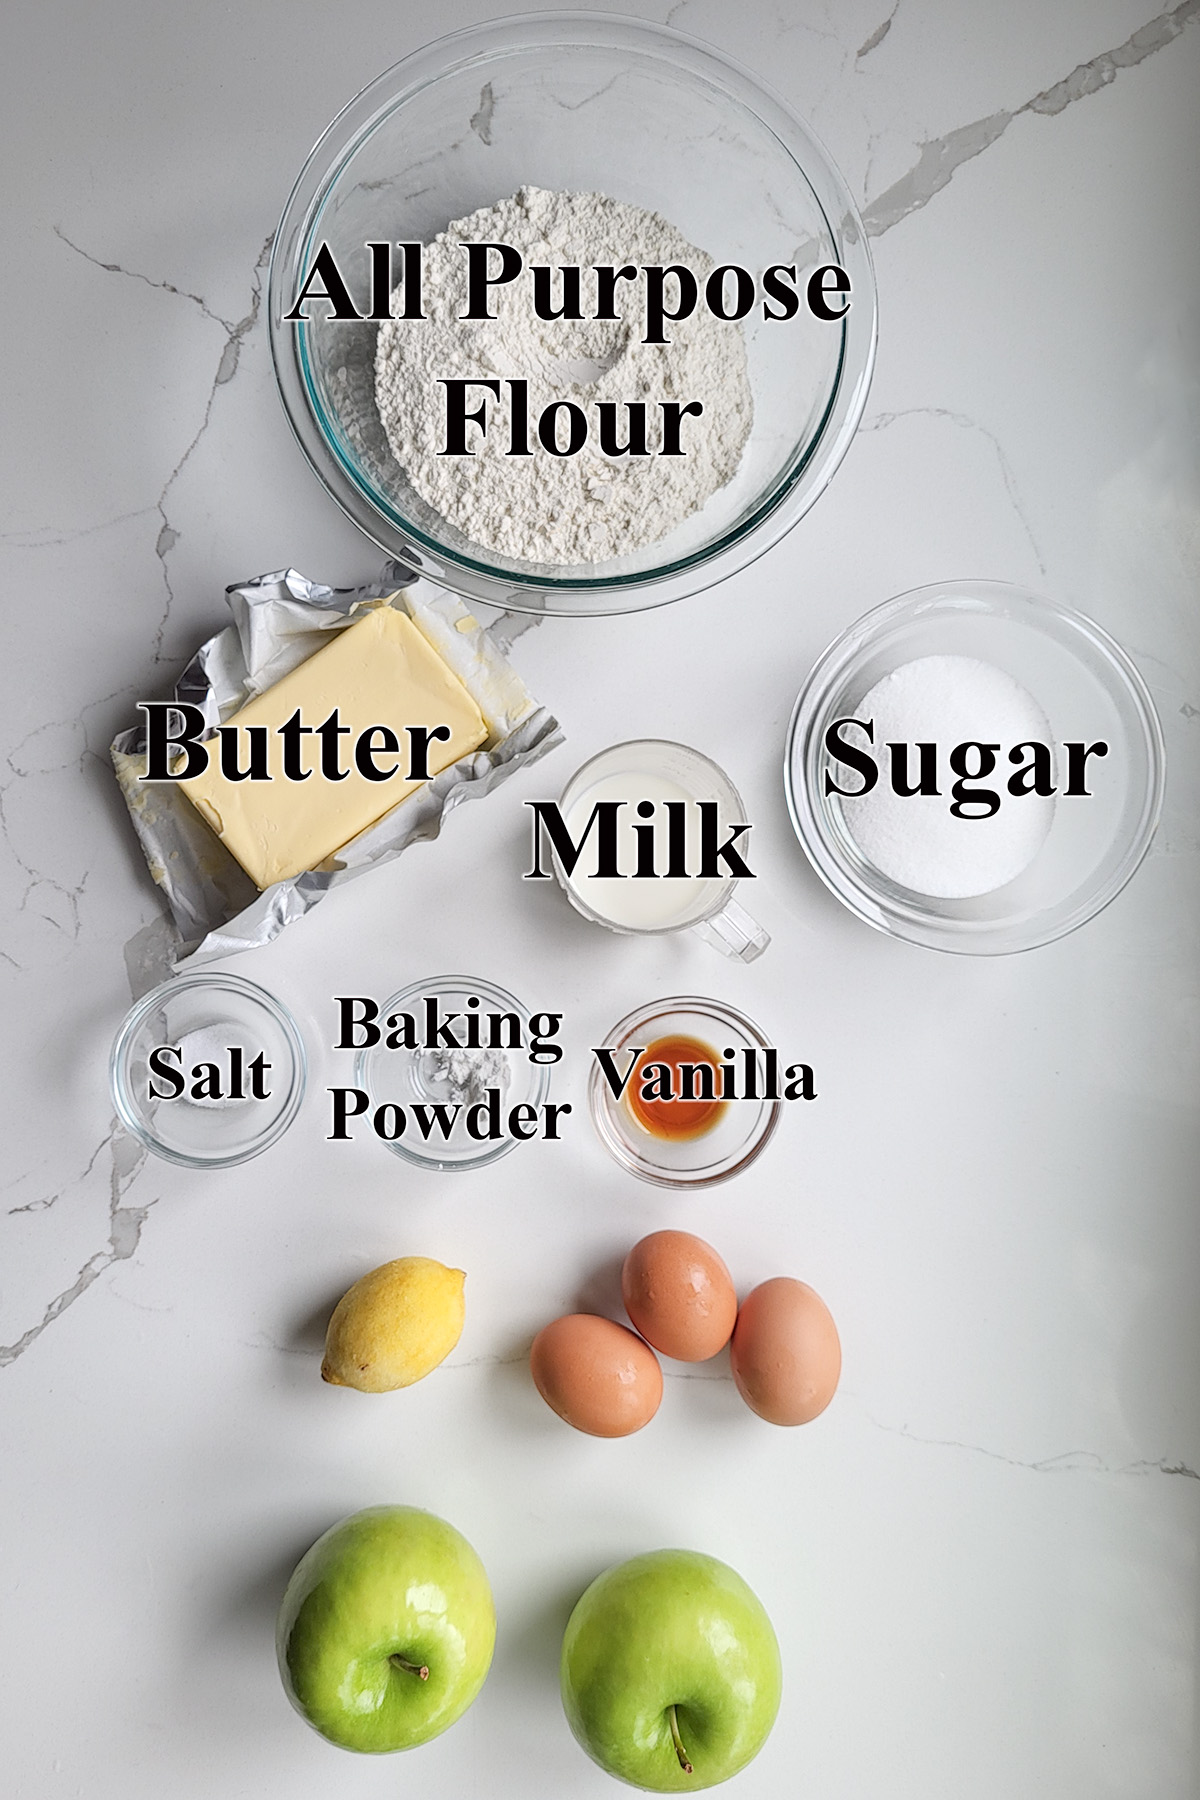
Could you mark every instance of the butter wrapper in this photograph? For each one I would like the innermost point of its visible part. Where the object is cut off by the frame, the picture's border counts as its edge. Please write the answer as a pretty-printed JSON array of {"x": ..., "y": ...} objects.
[{"x": 280, "y": 620}]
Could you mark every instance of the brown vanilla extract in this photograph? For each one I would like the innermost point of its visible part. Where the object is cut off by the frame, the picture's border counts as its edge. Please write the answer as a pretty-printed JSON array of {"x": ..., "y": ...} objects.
[{"x": 675, "y": 1092}]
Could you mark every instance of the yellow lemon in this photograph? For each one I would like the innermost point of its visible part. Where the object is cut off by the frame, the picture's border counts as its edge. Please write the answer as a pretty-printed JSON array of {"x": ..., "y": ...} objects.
[{"x": 394, "y": 1325}]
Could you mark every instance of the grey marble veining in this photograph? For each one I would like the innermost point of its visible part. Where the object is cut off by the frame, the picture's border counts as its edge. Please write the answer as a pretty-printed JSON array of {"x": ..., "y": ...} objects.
[{"x": 942, "y": 156}]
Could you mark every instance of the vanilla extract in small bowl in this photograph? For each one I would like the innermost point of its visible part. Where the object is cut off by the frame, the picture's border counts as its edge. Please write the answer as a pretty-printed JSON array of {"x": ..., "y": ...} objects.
[
  {"x": 674, "y": 1092},
  {"x": 686, "y": 1092}
]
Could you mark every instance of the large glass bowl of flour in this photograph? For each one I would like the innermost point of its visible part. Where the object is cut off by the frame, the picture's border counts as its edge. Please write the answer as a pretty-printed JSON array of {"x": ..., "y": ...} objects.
[{"x": 578, "y": 103}]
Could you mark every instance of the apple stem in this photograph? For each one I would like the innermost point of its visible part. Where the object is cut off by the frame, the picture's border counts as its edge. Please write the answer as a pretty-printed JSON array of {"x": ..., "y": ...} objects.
[
  {"x": 420, "y": 1670},
  {"x": 680, "y": 1752}
]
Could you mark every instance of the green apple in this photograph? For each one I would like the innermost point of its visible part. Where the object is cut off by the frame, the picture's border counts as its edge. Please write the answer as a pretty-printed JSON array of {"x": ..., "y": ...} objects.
[
  {"x": 386, "y": 1630},
  {"x": 670, "y": 1671}
]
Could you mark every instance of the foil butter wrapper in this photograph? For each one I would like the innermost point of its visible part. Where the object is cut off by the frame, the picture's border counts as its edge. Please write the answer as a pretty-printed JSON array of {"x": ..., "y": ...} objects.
[{"x": 280, "y": 620}]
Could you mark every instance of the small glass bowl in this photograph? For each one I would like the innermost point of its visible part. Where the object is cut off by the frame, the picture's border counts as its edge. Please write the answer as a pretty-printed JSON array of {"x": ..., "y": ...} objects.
[
  {"x": 220, "y": 1014},
  {"x": 588, "y": 103},
  {"x": 741, "y": 1128},
  {"x": 402, "y": 1078},
  {"x": 1086, "y": 687}
]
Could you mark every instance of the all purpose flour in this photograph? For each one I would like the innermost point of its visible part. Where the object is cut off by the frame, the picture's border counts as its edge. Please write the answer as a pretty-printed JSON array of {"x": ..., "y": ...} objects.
[{"x": 563, "y": 509}]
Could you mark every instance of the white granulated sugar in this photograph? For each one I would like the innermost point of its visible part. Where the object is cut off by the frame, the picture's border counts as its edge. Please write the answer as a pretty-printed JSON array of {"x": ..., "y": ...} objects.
[
  {"x": 563, "y": 509},
  {"x": 917, "y": 841}
]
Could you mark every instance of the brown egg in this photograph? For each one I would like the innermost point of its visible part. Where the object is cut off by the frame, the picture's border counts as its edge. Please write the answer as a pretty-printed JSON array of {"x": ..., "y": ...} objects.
[
  {"x": 679, "y": 1294},
  {"x": 785, "y": 1353},
  {"x": 596, "y": 1374}
]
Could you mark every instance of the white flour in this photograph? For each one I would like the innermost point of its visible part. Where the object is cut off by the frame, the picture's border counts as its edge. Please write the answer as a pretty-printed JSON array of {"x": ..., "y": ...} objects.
[{"x": 563, "y": 509}]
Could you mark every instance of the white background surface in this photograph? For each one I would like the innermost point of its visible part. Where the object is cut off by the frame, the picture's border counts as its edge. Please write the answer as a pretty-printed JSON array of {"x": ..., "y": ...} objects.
[{"x": 981, "y": 1561}]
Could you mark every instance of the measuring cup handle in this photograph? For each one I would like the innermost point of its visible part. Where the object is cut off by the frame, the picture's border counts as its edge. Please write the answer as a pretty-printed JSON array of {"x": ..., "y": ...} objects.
[{"x": 734, "y": 933}]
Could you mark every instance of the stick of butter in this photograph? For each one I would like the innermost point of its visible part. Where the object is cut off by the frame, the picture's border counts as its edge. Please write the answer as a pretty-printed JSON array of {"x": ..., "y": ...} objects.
[{"x": 380, "y": 671}]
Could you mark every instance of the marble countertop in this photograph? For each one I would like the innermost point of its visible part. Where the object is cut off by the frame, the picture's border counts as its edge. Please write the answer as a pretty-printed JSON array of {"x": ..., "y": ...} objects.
[{"x": 982, "y": 1561}]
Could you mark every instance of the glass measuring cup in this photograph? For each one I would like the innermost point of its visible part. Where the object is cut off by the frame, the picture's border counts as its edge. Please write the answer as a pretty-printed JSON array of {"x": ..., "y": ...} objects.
[{"x": 661, "y": 789}]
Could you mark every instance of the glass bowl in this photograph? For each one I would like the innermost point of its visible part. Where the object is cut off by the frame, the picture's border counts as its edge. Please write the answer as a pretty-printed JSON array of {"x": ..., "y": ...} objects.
[
  {"x": 220, "y": 1022},
  {"x": 1085, "y": 686},
  {"x": 401, "y": 1079},
  {"x": 589, "y": 103},
  {"x": 676, "y": 774},
  {"x": 741, "y": 1127}
]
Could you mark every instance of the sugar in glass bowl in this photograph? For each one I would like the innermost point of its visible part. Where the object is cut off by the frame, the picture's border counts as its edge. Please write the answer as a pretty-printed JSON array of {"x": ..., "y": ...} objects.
[
  {"x": 589, "y": 103},
  {"x": 1085, "y": 686}
]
